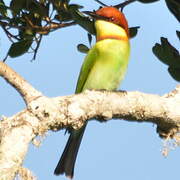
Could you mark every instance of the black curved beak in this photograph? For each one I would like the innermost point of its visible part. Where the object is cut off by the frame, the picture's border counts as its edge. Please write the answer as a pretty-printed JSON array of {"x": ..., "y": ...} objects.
[{"x": 95, "y": 16}]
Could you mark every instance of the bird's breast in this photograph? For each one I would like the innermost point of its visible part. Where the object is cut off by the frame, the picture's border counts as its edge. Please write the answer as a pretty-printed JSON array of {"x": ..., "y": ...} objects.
[{"x": 110, "y": 65}]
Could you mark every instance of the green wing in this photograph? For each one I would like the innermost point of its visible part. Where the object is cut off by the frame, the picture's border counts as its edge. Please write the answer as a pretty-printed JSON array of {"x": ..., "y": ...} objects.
[{"x": 86, "y": 68}]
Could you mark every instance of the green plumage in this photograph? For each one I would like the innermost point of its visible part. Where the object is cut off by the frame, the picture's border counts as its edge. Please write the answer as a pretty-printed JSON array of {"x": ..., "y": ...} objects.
[{"x": 104, "y": 67}]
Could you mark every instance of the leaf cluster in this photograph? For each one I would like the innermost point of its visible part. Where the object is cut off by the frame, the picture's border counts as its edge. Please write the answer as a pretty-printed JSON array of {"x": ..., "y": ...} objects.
[
  {"x": 169, "y": 55},
  {"x": 32, "y": 19},
  {"x": 25, "y": 22}
]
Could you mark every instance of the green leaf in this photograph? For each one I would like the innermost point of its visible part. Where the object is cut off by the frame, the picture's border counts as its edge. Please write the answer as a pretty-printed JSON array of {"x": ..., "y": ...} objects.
[
  {"x": 133, "y": 31},
  {"x": 89, "y": 39},
  {"x": 178, "y": 34},
  {"x": 82, "y": 48},
  {"x": 81, "y": 19},
  {"x": 17, "y": 5},
  {"x": 174, "y": 7},
  {"x": 63, "y": 16},
  {"x": 147, "y": 1},
  {"x": 175, "y": 73},
  {"x": 30, "y": 5},
  {"x": 59, "y": 4},
  {"x": 3, "y": 8},
  {"x": 26, "y": 34},
  {"x": 37, "y": 8},
  {"x": 19, "y": 48},
  {"x": 166, "y": 53}
]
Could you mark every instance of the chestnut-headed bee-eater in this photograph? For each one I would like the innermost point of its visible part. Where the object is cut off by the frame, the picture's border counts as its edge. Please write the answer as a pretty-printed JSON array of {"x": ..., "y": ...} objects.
[{"x": 104, "y": 68}]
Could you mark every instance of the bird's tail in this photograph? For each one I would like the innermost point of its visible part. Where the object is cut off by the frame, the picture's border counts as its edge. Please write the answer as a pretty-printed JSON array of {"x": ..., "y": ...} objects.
[{"x": 68, "y": 158}]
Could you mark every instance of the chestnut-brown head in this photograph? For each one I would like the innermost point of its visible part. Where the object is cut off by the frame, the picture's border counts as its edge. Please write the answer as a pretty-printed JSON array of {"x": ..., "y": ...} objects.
[{"x": 113, "y": 15}]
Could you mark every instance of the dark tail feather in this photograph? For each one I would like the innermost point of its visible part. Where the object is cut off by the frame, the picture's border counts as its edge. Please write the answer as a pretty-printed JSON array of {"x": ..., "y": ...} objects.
[{"x": 68, "y": 158}]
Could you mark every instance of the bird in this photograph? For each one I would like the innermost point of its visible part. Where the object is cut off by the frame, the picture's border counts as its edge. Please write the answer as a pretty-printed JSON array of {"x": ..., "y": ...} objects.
[{"x": 104, "y": 68}]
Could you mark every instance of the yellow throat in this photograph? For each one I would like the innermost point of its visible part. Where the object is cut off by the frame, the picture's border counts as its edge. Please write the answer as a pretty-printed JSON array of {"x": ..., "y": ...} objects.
[{"x": 108, "y": 30}]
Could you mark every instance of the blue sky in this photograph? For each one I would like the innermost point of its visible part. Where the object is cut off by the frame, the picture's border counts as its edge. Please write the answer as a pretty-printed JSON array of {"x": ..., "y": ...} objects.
[{"x": 116, "y": 149}]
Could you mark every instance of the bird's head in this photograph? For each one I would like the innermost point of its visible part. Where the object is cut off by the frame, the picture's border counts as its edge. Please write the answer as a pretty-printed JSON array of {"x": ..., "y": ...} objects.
[{"x": 112, "y": 15}]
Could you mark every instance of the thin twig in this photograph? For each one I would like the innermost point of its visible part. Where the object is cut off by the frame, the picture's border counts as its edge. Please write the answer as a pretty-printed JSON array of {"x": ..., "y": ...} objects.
[
  {"x": 46, "y": 29},
  {"x": 37, "y": 47},
  {"x": 9, "y": 35},
  {"x": 98, "y": 1},
  {"x": 125, "y": 3}
]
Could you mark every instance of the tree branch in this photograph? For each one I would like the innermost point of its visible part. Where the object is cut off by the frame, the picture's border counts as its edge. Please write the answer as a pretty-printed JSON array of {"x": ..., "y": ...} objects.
[
  {"x": 14, "y": 142},
  {"x": 23, "y": 87},
  {"x": 52, "y": 26},
  {"x": 43, "y": 114}
]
